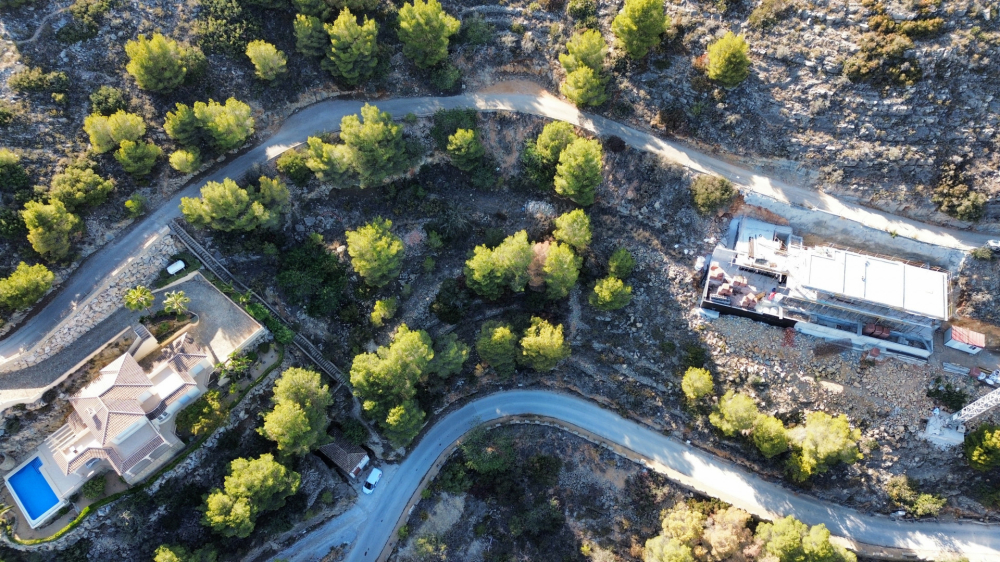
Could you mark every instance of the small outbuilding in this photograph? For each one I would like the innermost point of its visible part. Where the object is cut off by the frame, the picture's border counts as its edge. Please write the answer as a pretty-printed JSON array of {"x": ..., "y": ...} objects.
[
  {"x": 964, "y": 339},
  {"x": 347, "y": 456}
]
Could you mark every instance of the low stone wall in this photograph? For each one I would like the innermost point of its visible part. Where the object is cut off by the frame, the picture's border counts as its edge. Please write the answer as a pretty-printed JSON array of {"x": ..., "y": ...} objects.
[{"x": 100, "y": 304}]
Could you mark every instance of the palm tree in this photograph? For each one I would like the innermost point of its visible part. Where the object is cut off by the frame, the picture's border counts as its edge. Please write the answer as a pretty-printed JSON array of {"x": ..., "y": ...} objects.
[
  {"x": 176, "y": 302},
  {"x": 139, "y": 298}
]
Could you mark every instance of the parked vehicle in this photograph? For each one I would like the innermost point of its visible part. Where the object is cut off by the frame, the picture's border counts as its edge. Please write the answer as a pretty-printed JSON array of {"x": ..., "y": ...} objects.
[
  {"x": 373, "y": 477},
  {"x": 993, "y": 245}
]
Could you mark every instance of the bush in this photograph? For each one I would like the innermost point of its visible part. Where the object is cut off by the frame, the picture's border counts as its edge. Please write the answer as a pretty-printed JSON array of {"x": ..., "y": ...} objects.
[
  {"x": 543, "y": 346},
  {"x": 823, "y": 441},
  {"x": 735, "y": 413},
  {"x": 311, "y": 275},
  {"x": 138, "y": 158},
  {"x": 451, "y": 302},
  {"x": 904, "y": 494},
  {"x": 49, "y": 228},
  {"x": 94, "y": 488},
  {"x": 13, "y": 176},
  {"x": 711, "y": 193},
  {"x": 383, "y": 310},
  {"x": 8, "y": 112},
  {"x": 159, "y": 64},
  {"x": 584, "y": 12},
  {"x": 87, "y": 17},
  {"x": 697, "y": 383},
  {"x": 465, "y": 149},
  {"x": 80, "y": 187},
  {"x": 36, "y": 80},
  {"x": 497, "y": 346},
  {"x": 953, "y": 398},
  {"x": 982, "y": 253},
  {"x": 560, "y": 269},
  {"x": 611, "y": 293},
  {"x": 954, "y": 197},
  {"x": 490, "y": 271},
  {"x": 293, "y": 164},
  {"x": 136, "y": 205},
  {"x": 310, "y": 37},
  {"x": 883, "y": 58},
  {"x": 268, "y": 61},
  {"x": 224, "y": 26},
  {"x": 377, "y": 149},
  {"x": 584, "y": 87},
  {"x": 447, "y": 122},
  {"x": 768, "y": 13},
  {"x": 621, "y": 264},
  {"x": 450, "y": 355},
  {"x": 982, "y": 447},
  {"x": 228, "y": 207},
  {"x": 769, "y": 436},
  {"x": 186, "y": 160},
  {"x": 354, "y": 431},
  {"x": 728, "y": 60},
  {"x": 475, "y": 31},
  {"x": 107, "y": 101}
]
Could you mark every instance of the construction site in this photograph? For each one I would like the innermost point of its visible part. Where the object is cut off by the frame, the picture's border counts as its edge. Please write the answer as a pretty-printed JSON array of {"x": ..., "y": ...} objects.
[{"x": 878, "y": 306}]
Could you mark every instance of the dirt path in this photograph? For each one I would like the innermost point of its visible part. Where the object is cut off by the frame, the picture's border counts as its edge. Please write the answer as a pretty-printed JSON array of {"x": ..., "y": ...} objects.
[{"x": 41, "y": 27}]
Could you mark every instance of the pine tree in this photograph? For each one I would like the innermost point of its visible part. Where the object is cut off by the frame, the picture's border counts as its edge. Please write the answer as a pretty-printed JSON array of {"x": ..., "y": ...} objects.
[
  {"x": 299, "y": 420},
  {"x": 227, "y": 207},
  {"x": 639, "y": 25},
  {"x": 157, "y": 64},
  {"x": 424, "y": 29},
  {"x": 49, "y": 227},
  {"x": 735, "y": 413},
  {"x": 543, "y": 345},
  {"x": 573, "y": 228},
  {"x": 697, "y": 383},
  {"x": 227, "y": 126},
  {"x": 376, "y": 253},
  {"x": 561, "y": 270},
  {"x": 611, "y": 293},
  {"x": 329, "y": 162},
  {"x": 465, "y": 149},
  {"x": 25, "y": 286},
  {"x": 186, "y": 160},
  {"x": 376, "y": 144},
  {"x": 108, "y": 132},
  {"x": 311, "y": 38},
  {"x": 403, "y": 422},
  {"x": 353, "y": 53},
  {"x": 183, "y": 125},
  {"x": 450, "y": 354},
  {"x": 138, "y": 158},
  {"x": 268, "y": 61},
  {"x": 80, "y": 187},
  {"x": 728, "y": 60},
  {"x": 770, "y": 436},
  {"x": 251, "y": 488},
  {"x": 579, "y": 171},
  {"x": 497, "y": 346},
  {"x": 587, "y": 48},
  {"x": 584, "y": 87}
]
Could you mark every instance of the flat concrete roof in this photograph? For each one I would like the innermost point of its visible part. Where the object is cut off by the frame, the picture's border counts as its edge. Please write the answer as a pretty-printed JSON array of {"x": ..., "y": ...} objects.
[{"x": 895, "y": 284}]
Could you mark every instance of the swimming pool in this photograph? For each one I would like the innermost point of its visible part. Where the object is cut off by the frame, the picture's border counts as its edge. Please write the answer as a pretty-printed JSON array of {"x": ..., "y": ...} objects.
[{"x": 32, "y": 490}]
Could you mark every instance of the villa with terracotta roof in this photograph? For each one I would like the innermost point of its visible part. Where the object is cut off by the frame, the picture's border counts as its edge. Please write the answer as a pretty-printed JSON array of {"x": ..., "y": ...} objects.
[{"x": 124, "y": 420}]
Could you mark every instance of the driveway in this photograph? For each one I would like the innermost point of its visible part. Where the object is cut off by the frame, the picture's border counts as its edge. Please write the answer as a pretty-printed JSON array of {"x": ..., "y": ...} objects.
[
  {"x": 683, "y": 463},
  {"x": 835, "y": 215}
]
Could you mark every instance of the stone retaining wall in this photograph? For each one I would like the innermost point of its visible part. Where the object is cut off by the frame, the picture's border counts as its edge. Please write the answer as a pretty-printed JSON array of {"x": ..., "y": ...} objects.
[{"x": 101, "y": 303}]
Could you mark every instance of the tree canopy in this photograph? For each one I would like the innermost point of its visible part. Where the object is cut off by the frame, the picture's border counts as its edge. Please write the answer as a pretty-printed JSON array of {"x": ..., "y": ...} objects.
[
  {"x": 560, "y": 270},
  {"x": 982, "y": 447},
  {"x": 376, "y": 144},
  {"x": 639, "y": 25},
  {"x": 376, "y": 253},
  {"x": 299, "y": 420},
  {"x": 158, "y": 64},
  {"x": 790, "y": 540},
  {"x": 573, "y": 228},
  {"x": 311, "y": 38},
  {"x": 424, "y": 29},
  {"x": 139, "y": 298},
  {"x": 25, "y": 286},
  {"x": 586, "y": 48},
  {"x": 585, "y": 87},
  {"x": 579, "y": 171},
  {"x": 80, "y": 187},
  {"x": 267, "y": 60},
  {"x": 610, "y": 293},
  {"x": 543, "y": 346},
  {"x": 465, "y": 149},
  {"x": 489, "y": 271},
  {"x": 353, "y": 53},
  {"x": 728, "y": 60},
  {"x": 49, "y": 228},
  {"x": 823, "y": 441},
  {"x": 251, "y": 488},
  {"x": 497, "y": 346},
  {"x": 226, "y": 126},
  {"x": 228, "y": 207},
  {"x": 734, "y": 414},
  {"x": 697, "y": 383}
]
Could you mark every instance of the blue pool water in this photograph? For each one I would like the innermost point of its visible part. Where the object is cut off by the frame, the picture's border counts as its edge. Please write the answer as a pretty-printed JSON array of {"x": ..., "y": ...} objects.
[{"x": 31, "y": 488}]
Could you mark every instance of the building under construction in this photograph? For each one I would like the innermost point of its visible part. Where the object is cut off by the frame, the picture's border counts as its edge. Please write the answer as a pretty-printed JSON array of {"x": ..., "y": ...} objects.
[{"x": 864, "y": 300}]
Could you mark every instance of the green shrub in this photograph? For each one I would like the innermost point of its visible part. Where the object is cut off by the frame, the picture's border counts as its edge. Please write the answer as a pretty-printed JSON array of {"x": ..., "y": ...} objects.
[
  {"x": 451, "y": 302},
  {"x": 883, "y": 58},
  {"x": 311, "y": 275},
  {"x": 475, "y": 31},
  {"x": 768, "y": 13},
  {"x": 36, "y": 80},
  {"x": 204, "y": 416},
  {"x": 94, "y": 488},
  {"x": 611, "y": 293},
  {"x": 87, "y": 18},
  {"x": 982, "y": 447},
  {"x": 25, "y": 286},
  {"x": 621, "y": 264},
  {"x": 497, "y": 346},
  {"x": 354, "y": 431},
  {"x": 8, "y": 112},
  {"x": 697, "y": 383},
  {"x": 982, "y": 253},
  {"x": 224, "y": 26},
  {"x": 728, "y": 60},
  {"x": 954, "y": 197},
  {"x": 448, "y": 121},
  {"x": 136, "y": 205},
  {"x": 13, "y": 176},
  {"x": 107, "y": 101},
  {"x": 584, "y": 12},
  {"x": 711, "y": 193},
  {"x": 293, "y": 164},
  {"x": 953, "y": 398},
  {"x": 384, "y": 310},
  {"x": 770, "y": 436}
]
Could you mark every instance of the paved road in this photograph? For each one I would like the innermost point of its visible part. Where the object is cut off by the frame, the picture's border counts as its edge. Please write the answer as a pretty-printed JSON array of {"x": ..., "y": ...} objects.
[
  {"x": 681, "y": 462},
  {"x": 325, "y": 116}
]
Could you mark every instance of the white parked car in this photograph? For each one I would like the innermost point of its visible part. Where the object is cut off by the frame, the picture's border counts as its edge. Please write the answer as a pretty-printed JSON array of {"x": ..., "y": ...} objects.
[
  {"x": 373, "y": 477},
  {"x": 993, "y": 245}
]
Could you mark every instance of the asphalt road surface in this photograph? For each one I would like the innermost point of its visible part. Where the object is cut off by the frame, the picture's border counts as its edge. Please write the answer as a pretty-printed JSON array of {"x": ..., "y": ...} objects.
[
  {"x": 325, "y": 116},
  {"x": 681, "y": 462}
]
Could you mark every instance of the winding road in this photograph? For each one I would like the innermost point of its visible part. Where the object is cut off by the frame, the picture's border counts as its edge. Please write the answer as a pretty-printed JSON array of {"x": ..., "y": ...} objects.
[
  {"x": 683, "y": 463},
  {"x": 914, "y": 238},
  {"x": 700, "y": 470}
]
